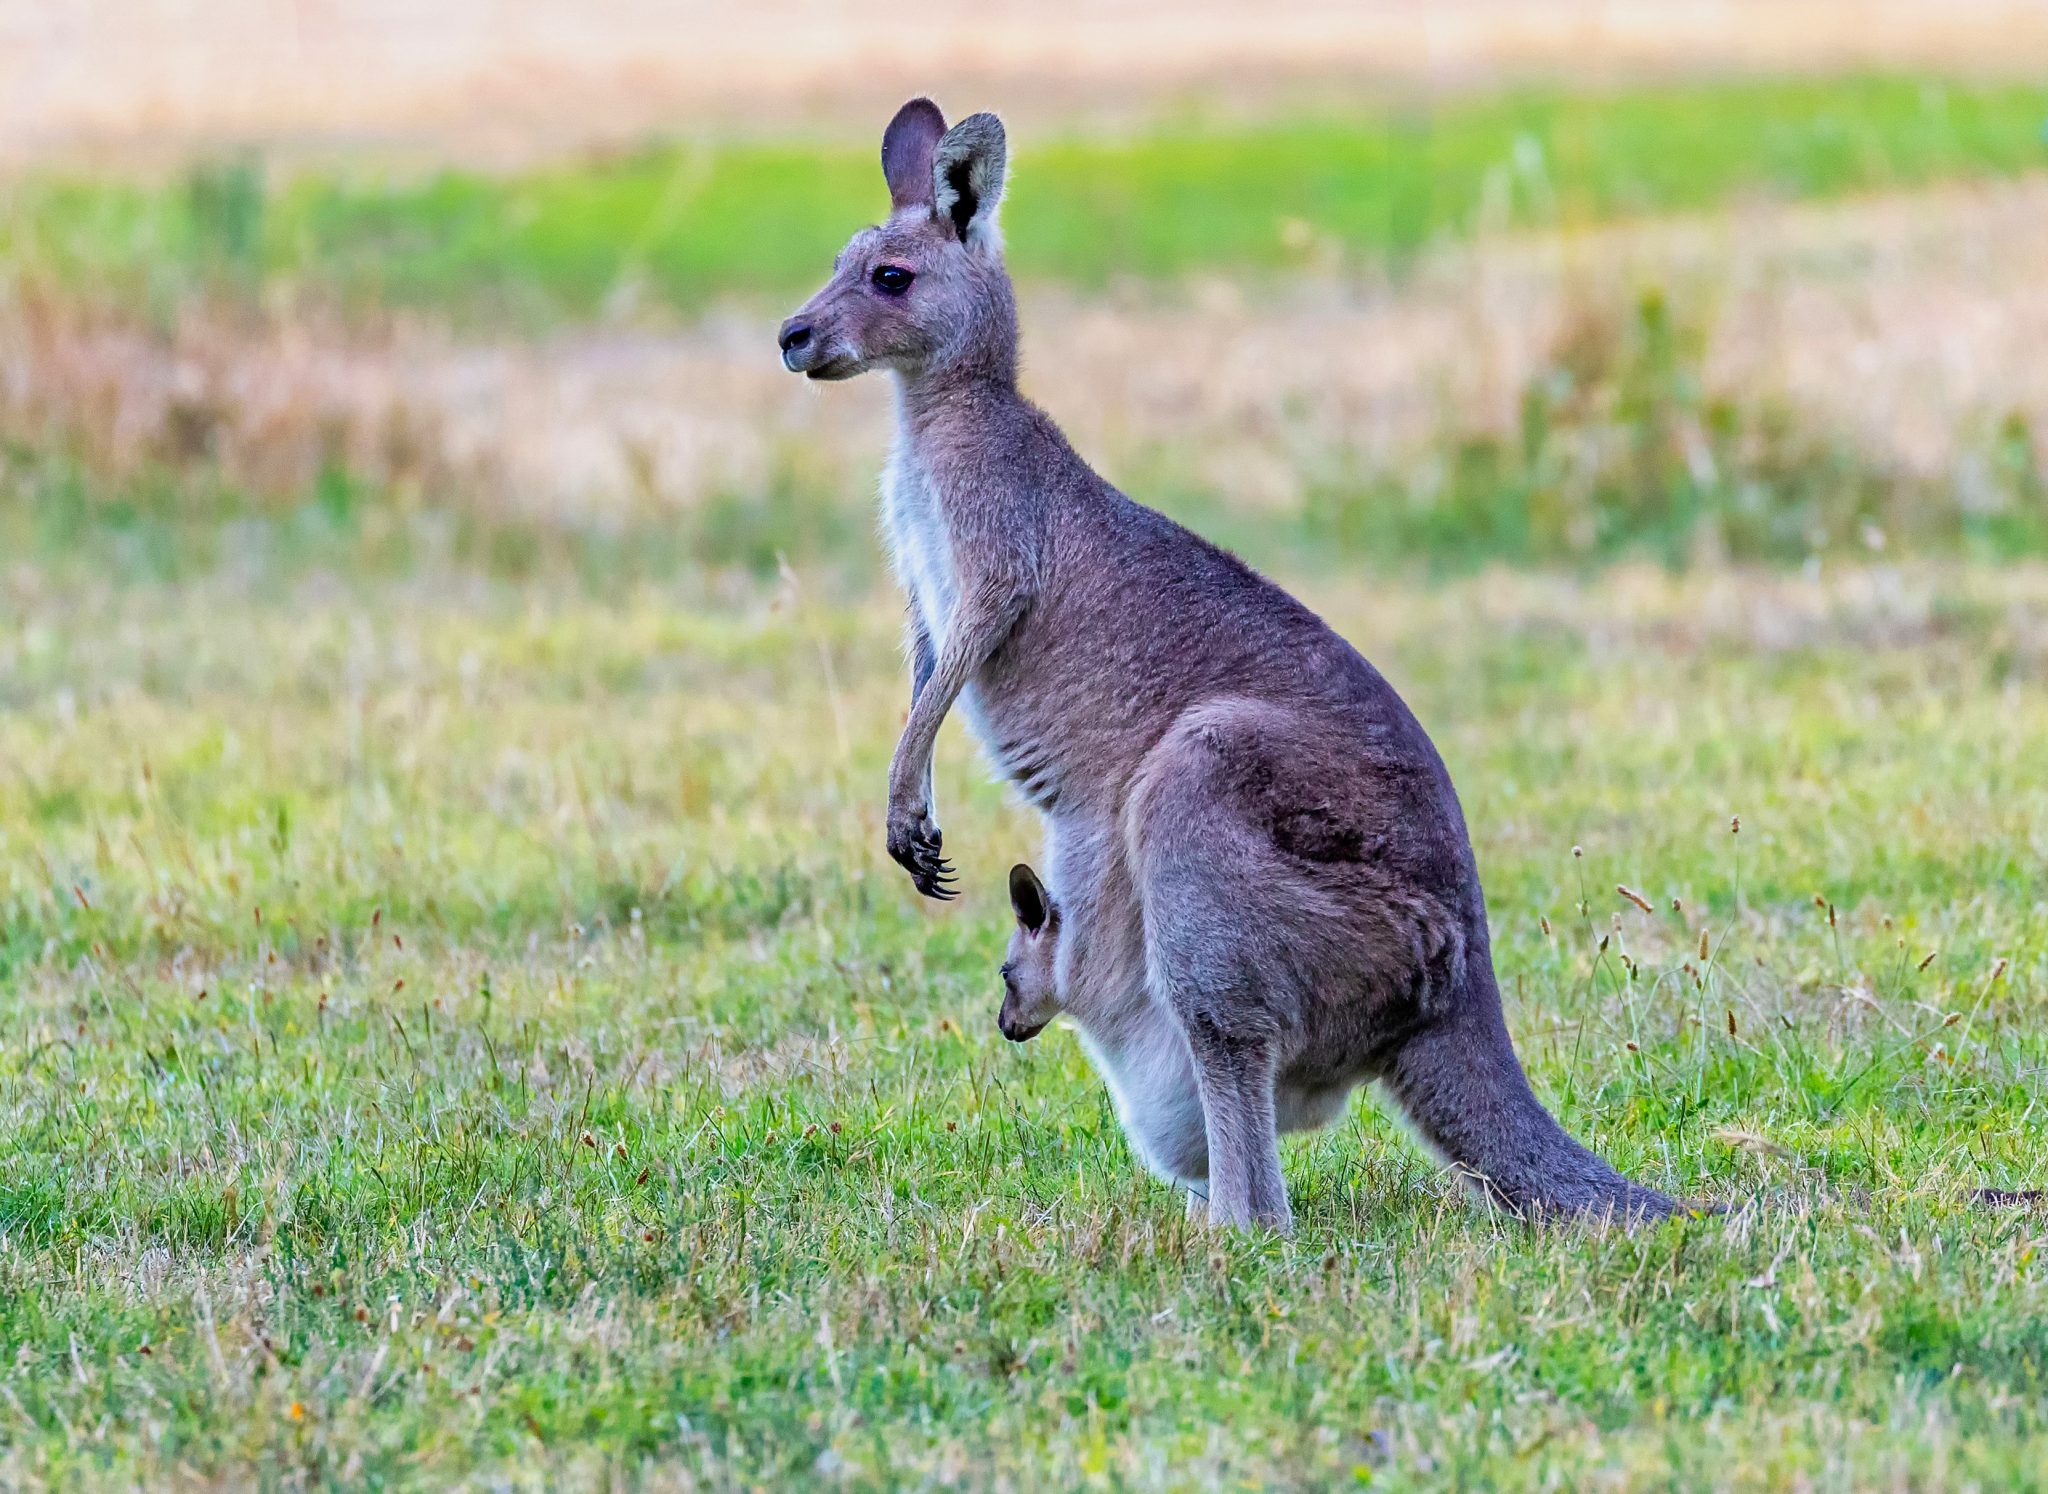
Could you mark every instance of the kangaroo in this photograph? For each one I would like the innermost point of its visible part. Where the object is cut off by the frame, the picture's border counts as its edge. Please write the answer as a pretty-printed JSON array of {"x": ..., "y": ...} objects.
[{"x": 1262, "y": 884}]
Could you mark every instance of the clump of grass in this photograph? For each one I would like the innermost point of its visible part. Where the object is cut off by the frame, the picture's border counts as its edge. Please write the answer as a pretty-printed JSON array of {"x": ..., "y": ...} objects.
[
  {"x": 1623, "y": 447},
  {"x": 272, "y": 406}
]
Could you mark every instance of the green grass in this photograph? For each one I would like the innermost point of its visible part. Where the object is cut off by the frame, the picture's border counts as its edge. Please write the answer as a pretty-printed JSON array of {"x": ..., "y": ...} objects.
[
  {"x": 460, "y": 1030},
  {"x": 682, "y": 224}
]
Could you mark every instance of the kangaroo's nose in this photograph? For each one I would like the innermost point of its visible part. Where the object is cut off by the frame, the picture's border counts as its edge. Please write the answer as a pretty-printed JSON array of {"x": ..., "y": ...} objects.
[{"x": 795, "y": 334}]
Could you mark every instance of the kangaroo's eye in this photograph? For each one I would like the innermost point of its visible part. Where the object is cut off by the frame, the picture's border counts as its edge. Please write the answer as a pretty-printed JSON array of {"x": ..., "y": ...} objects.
[{"x": 892, "y": 280}]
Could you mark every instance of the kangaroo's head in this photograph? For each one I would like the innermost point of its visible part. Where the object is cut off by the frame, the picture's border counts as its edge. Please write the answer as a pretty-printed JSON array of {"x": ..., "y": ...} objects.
[
  {"x": 926, "y": 291},
  {"x": 1030, "y": 993}
]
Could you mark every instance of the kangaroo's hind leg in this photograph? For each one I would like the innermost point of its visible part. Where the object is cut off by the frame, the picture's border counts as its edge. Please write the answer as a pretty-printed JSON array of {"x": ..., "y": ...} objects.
[
  {"x": 1217, "y": 906},
  {"x": 1195, "y": 968},
  {"x": 1245, "y": 1182}
]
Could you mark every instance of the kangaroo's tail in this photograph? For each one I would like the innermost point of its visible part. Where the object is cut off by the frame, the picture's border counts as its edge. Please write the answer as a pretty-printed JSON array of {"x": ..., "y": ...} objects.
[{"x": 1464, "y": 1089}]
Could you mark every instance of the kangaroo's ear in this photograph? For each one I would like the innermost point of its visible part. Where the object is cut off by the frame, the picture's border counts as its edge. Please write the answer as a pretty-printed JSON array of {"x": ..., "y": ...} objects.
[
  {"x": 967, "y": 176},
  {"x": 907, "y": 147},
  {"x": 1028, "y": 899}
]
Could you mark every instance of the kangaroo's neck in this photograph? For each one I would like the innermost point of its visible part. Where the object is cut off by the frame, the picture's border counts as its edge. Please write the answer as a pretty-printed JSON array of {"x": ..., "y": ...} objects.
[{"x": 933, "y": 412}]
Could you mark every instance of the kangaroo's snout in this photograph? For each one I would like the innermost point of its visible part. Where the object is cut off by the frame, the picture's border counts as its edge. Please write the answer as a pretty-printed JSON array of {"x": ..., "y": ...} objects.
[
  {"x": 815, "y": 343},
  {"x": 793, "y": 339},
  {"x": 1014, "y": 1030}
]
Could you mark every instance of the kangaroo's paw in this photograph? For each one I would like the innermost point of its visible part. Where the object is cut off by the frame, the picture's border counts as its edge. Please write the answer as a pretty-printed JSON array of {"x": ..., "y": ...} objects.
[{"x": 914, "y": 844}]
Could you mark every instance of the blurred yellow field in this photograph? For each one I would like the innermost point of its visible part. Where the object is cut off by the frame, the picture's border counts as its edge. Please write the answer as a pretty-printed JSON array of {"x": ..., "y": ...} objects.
[{"x": 507, "y": 78}]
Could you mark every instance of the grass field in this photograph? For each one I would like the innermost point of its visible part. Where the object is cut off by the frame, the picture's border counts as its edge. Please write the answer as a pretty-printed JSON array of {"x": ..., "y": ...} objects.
[
  {"x": 458, "y": 1024},
  {"x": 459, "y": 1029}
]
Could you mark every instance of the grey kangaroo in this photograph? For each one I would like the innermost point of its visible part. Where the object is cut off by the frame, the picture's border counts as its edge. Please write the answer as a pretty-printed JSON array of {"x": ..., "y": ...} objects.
[{"x": 1263, "y": 893}]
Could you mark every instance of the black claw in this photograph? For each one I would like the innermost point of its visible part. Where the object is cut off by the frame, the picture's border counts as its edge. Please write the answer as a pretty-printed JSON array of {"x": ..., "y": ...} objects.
[
  {"x": 934, "y": 877},
  {"x": 930, "y": 872}
]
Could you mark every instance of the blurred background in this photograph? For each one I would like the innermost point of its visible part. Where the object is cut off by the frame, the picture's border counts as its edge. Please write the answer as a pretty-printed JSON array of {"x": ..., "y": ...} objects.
[{"x": 350, "y": 282}]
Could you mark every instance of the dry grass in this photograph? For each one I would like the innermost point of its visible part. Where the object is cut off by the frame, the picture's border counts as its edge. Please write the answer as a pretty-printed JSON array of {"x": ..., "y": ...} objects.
[
  {"x": 1905, "y": 328},
  {"x": 148, "y": 79},
  {"x": 266, "y": 403}
]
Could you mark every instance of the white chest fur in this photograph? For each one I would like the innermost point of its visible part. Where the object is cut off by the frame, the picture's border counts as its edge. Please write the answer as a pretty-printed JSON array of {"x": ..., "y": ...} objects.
[{"x": 919, "y": 549}]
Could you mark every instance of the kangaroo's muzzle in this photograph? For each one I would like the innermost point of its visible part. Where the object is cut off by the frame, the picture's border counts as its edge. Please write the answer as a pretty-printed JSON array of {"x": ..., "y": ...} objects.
[
  {"x": 798, "y": 342},
  {"x": 808, "y": 349},
  {"x": 1016, "y": 1031}
]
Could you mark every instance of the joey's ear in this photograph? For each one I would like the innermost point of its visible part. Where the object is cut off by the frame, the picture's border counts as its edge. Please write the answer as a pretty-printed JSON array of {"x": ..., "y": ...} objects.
[
  {"x": 907, "y": 147},
  {"x": 1028, "y": 899},
  {"x": 967, "y": 176}
]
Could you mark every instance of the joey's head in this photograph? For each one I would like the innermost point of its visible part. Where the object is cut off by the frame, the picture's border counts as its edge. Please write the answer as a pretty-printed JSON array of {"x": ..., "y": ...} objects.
[
  {"x": 924, "y": 292},
  {"x": 1030, "y": 994}
]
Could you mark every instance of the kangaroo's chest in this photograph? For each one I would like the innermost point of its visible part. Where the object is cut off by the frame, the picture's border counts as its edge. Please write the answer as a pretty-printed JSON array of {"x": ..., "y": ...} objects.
[
  {"x": 1006, "y": 722},
  {"x": 920, "y": 549}
]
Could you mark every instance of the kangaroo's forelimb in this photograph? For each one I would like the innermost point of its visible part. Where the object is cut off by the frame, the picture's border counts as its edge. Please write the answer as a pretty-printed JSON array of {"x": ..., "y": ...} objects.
[
  {"x": 983, "y": 619},
  {"x": 924, "y": 658}
]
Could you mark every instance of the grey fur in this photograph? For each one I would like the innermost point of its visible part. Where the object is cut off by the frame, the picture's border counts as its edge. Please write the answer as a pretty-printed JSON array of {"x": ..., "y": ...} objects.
[{"x": 1262, "y": 889}]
